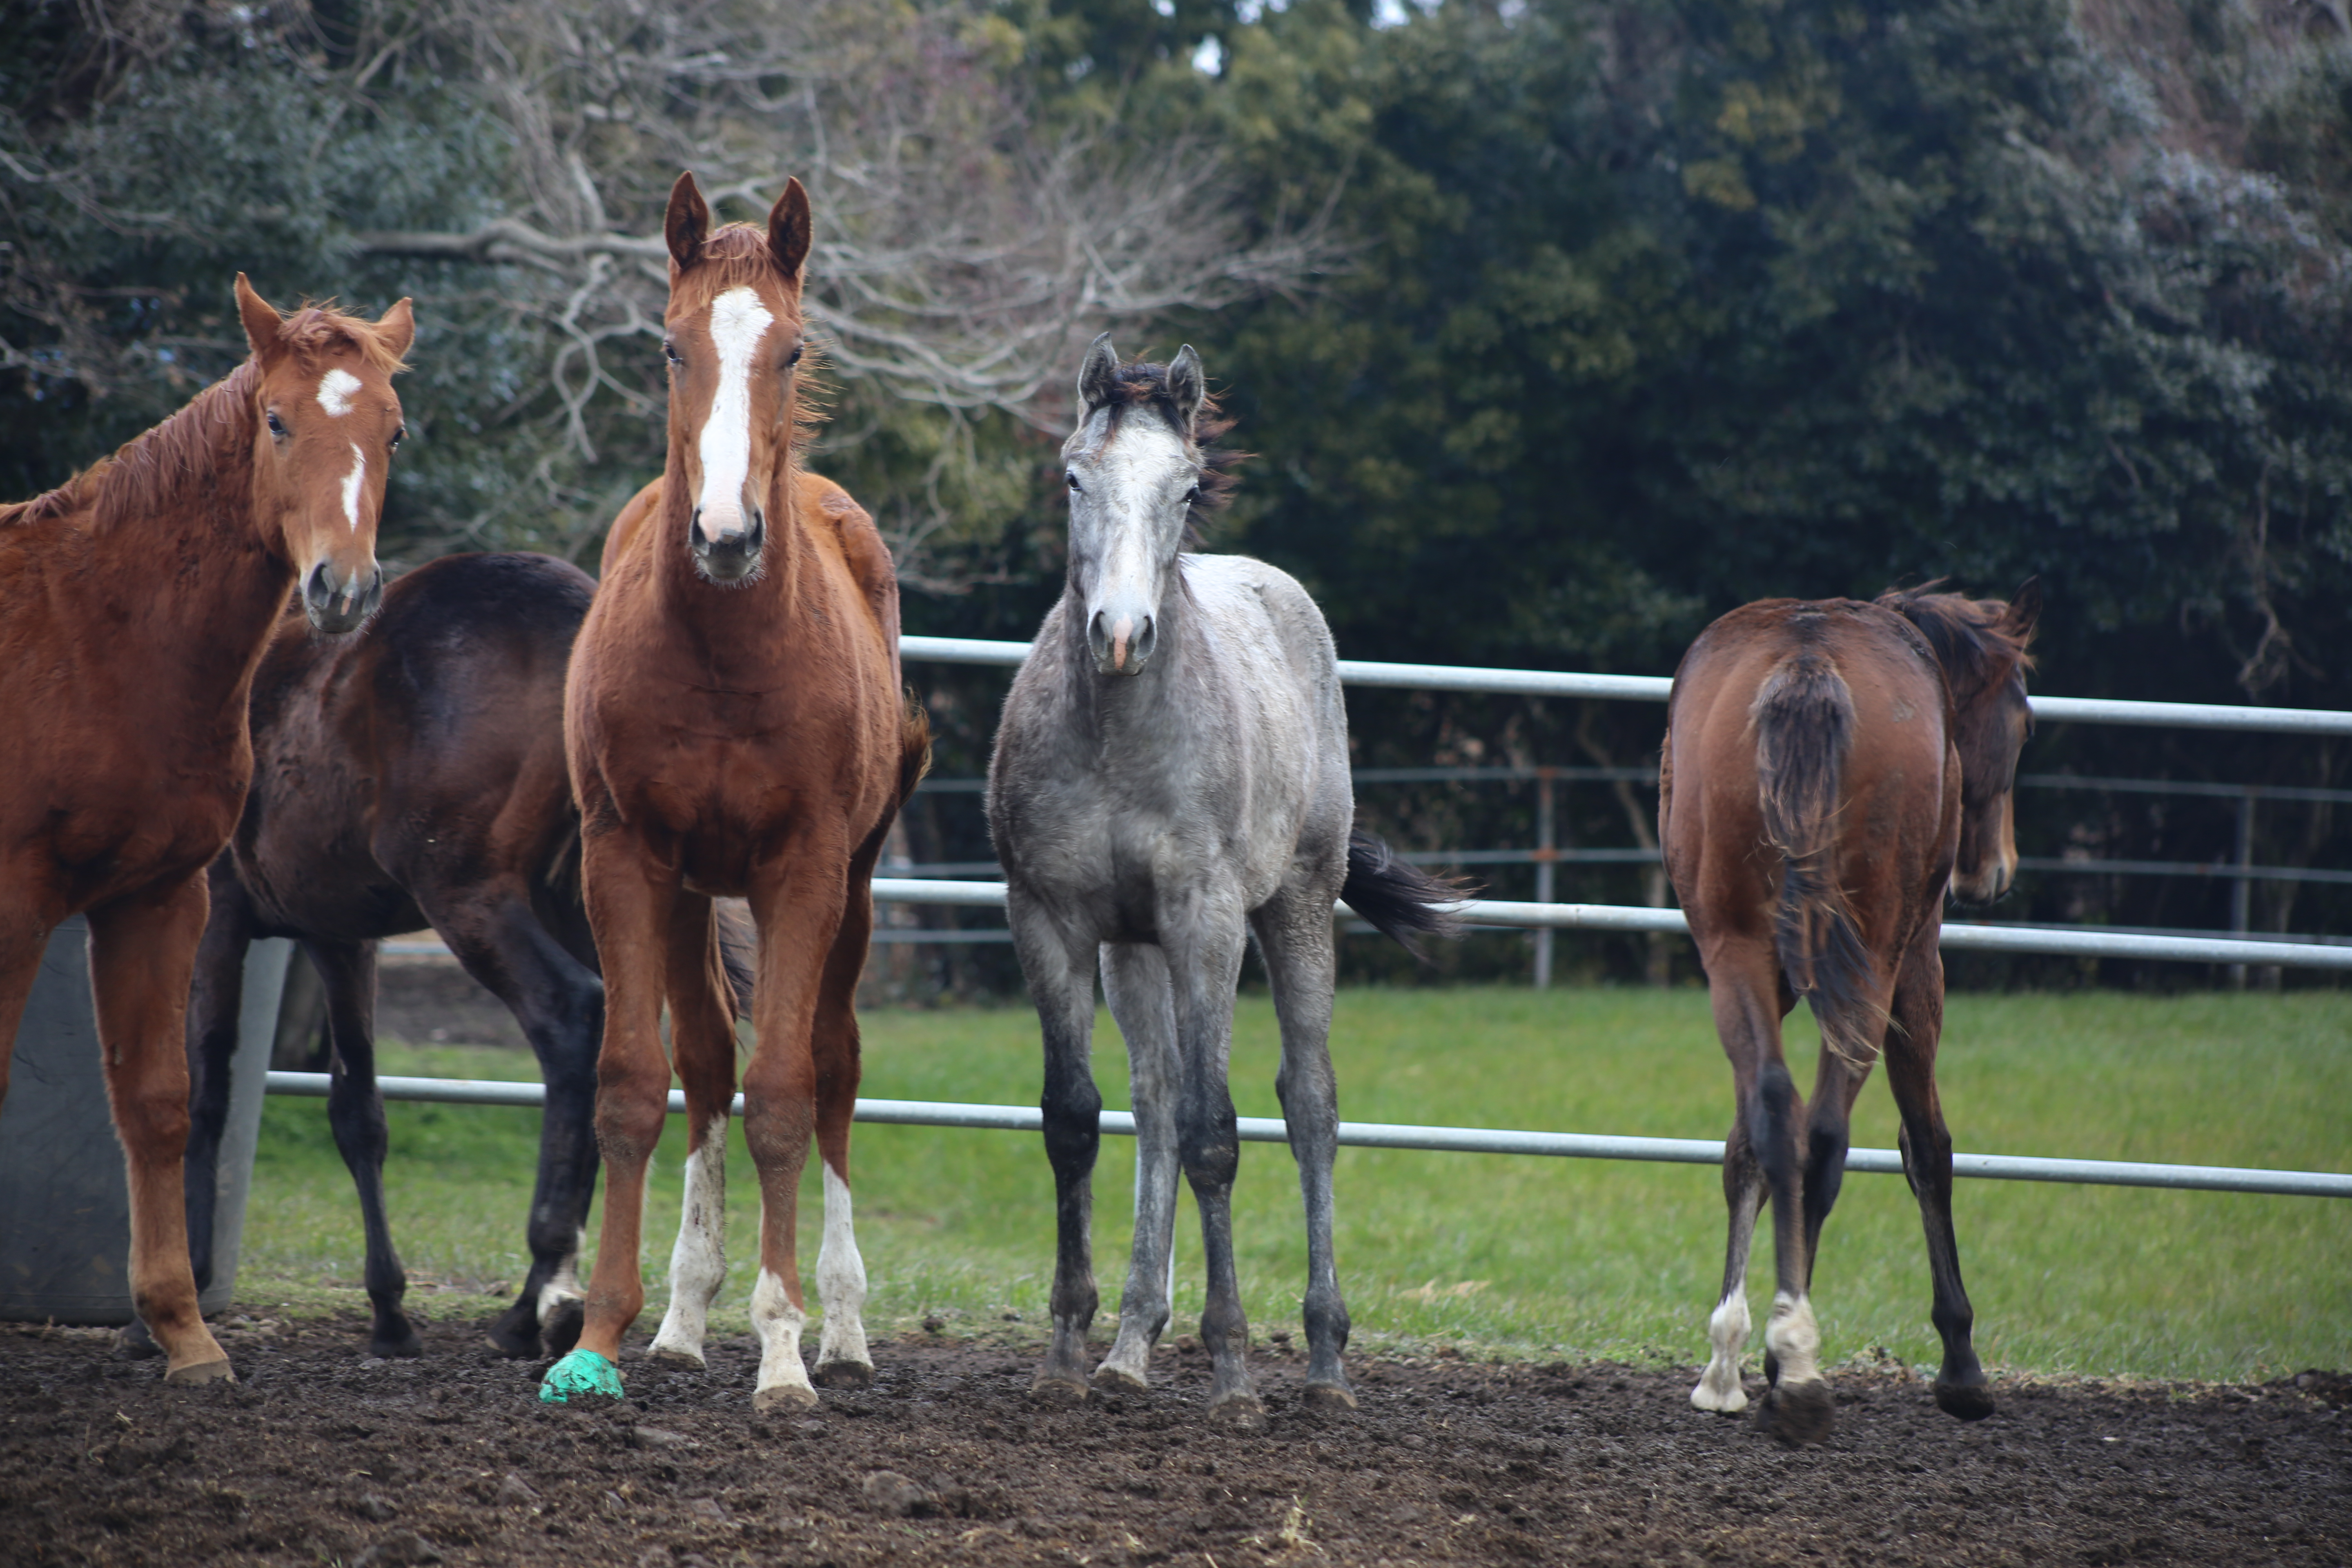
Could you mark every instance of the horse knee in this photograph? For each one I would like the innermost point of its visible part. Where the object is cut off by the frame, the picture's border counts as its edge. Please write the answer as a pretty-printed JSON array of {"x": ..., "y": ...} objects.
[
  {"x": 630, "y": 1109},
  {"x": 1072, "y": 1115},
  {"x": 1210, "y": 1154},
  {"x": 153, "y": 1119}
]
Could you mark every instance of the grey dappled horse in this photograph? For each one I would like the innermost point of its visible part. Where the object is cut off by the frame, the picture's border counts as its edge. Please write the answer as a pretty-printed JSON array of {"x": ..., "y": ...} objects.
[{"x": 1170, "y": 775}]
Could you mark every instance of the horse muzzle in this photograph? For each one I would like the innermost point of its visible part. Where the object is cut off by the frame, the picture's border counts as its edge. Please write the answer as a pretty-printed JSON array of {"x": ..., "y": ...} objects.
[
  {"x": 733, "y": 555},
  {"x": 1121, "y": 641},
  {"x": 339, "y": 607}
]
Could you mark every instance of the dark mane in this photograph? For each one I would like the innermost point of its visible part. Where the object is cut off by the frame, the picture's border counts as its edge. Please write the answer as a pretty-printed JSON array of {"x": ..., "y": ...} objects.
[
  {"x": 1966, "y": 635},
  {"x": 145, "y": 471},
  {"x": 1144, "y": 384}
]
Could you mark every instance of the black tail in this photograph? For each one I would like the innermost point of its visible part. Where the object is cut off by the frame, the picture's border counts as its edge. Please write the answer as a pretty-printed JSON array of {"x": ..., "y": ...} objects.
[
  {"x": 1804, "y": 716},
  {"x": 1404, "y": 903}
]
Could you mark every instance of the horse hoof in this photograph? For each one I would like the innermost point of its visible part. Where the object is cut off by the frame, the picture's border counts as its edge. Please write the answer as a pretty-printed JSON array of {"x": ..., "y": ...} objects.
[
  {"x": 134, "y": 1342},
  {"x": 560, "y": 1328},
  {"x": 1238, "y": 1413},
  {"x": 1058, "y": 1388},
  {"x": 1329, "y": 1396},
  {"x": 514, "y": 1334},
  {"x": 201, "y": 1371},
  {"x": 846, "y": 1375},
  {"x": 673, "y": 1356},
  {"x": 1119, "y": 1379},
  {"x": 784, "y": 1397},
  {"x": 582, "y": 1379},
  {"x": 1969, "y": 1401},
  {"x": 403, "y": 1345},
  {"x": 1796, "y": 1413}
]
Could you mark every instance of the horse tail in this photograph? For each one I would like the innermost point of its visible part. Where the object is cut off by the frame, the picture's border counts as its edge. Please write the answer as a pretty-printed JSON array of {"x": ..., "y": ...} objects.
[
  {"x": 1804, "y": 717},
  {"x": 914, "y": 748},
  {"x": 738, "y": 950},
  {"x": 1404, "y": 903}
]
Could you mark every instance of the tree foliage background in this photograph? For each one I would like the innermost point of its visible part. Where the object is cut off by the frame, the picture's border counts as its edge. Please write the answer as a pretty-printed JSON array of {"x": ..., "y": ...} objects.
[{"x": 1557, "y": 327}]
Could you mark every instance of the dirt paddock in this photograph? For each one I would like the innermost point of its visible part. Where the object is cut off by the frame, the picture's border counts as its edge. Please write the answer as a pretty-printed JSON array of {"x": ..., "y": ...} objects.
[{"x": 321, "y": 1456}]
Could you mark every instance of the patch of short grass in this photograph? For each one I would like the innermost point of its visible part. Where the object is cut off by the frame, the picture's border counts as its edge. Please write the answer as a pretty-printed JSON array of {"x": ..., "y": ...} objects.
[{"x": 1503, "y": 1253}]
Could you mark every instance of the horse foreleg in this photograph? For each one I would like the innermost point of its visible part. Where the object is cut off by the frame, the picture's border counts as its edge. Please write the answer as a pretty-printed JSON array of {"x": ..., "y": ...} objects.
[
  {"x": 1296, "y": 940},
  {"x": 1719, "y": 1388},
  {"x": 1204, "y": 958},
  {"x": 1135, "y": 979},
  {"x": 142, "y": 949},
  {"x": 798, "y": 910},
  {"x": 628, "y": 903},
  {"x": 355, "y": 1112},
  {"x": 842, "y": 1358},
  {"x": 560, "y": 1006},
  {"x": 1060, "y": 969},
  {"x": 702, "y": 1045},
  {"x": 1961, "y": 1387}
]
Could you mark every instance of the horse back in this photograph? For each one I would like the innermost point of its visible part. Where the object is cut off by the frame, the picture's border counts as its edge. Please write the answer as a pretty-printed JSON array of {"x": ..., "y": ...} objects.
[{"x": 1786, "y": 712}]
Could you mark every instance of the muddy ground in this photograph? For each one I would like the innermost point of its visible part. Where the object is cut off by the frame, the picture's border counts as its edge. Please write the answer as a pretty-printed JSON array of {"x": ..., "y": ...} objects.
[{"x": 321, "y": 1456}]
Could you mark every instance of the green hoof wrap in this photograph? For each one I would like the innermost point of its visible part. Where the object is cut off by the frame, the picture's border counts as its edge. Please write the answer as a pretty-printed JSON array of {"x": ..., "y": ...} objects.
[{"x": 582, "y": 1377}]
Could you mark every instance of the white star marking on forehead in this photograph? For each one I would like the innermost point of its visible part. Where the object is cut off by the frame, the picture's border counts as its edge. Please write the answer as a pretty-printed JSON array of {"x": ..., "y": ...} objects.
[{"x": 335, "y": 389}]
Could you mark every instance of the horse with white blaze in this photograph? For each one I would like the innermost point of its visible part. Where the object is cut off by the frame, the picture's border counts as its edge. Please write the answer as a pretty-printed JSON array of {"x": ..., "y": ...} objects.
[{"x": 1170, "y": 777}]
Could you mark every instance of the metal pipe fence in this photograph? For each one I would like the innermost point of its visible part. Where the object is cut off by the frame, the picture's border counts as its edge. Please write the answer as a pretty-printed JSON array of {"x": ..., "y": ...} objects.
[{"x": 1441, "y": 1140}]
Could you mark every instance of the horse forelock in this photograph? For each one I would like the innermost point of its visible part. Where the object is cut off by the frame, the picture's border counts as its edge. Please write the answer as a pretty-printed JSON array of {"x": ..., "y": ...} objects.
[
  {"x": 1966, "y": 636},
  {"x": 144, "y": 473},
  {"x": 1142, "y": 385},
  {"x": 320, "y": 331},
  {"x": 734, "y": 256}
]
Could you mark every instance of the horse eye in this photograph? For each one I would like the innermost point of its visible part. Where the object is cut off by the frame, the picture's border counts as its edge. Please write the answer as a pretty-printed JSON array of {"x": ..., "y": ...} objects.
[
  {"x": 796, "y": 355},
  {"x": 1075, "y": 486},
  {"x": 670, "y": 352},
  {"x": 398, "y": 437},
  {"x": 275, "y": 427},
  {"x": 1192, "y": 496}
]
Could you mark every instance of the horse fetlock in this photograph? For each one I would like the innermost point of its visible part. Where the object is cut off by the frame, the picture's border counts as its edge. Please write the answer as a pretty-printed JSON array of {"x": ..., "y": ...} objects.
[
  {"x": 1791, "y": 1341},
  {"x": 1719, "y": 1388}
]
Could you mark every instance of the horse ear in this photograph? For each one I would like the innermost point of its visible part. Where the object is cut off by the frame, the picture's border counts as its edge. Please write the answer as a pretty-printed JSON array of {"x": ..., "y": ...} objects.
[
  {"x": 687, "y": 223},
  {"x": 262, "y": 321},
  {"x": 397, "y": 328},
  {"x": 789, "y": 229},
  {"x": 2024, "y": 611},
  {"x": 1098, "y": 375},
  {"x": 1186, "y": 386}
]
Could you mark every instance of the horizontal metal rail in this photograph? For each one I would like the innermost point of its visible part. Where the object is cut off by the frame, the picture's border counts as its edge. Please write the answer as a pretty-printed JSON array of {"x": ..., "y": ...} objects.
[
  {"x": 1655, "y": 688},
  {"x": 1959, "y": 936},
  {"x": 1441, "y": 1140}
]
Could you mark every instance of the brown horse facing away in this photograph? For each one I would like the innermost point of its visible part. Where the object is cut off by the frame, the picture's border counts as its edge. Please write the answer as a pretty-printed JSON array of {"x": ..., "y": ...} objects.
[
  {"x": 735, "y": 726},
  {"x": 135, "y": 603},
  {"x": 417, "y": 774},
  {"x": 1831, "y": 768}
]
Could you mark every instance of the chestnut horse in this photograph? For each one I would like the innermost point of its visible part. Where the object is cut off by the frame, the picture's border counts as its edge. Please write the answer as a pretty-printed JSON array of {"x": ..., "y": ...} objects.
[
  {"x": 135, "y": 602},
  {"x": 735, "y": 727},
  {"x": 417, "y": 774},
  {"x": 1831, "y": 768}
]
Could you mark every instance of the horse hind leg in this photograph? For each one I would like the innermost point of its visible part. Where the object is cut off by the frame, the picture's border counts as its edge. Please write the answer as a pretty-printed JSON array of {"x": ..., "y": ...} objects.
[
  {"x": 1961, "y": 1386},
  {"x": 702, "y": 1045},
  {"x": 141, "y": 953},
  {"x": 1719, "y": 1388},
  {"x": 1135, "y": 979},
  {"x": 1301, "y": 966},
  {"x": 561, "y": 1006},
  {"x": 843, "y": 1360}
]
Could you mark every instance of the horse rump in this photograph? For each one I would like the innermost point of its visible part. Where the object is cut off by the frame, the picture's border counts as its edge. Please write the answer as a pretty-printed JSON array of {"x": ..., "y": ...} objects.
[
  {"x": 1803, "y": 719},
  {"x": 1404, "y": 903}
]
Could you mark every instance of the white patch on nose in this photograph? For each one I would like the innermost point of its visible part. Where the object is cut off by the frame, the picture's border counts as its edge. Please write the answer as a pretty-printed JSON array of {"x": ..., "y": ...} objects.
[
  {"x": 335, "y": 389},
  {"x": 737, "y": 321},
  {"x": 352, "y": 480}
]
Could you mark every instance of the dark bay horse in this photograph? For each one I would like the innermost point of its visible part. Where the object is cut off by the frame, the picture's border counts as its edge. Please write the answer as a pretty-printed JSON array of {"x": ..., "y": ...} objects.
[
  {"x": 417, "y": 775},
  {"x": 735, "y": 726},
  {"x": 1830, "y": 769},
  {"x": 135, "y": 603},
  {"x": 1170, "y": 777}
]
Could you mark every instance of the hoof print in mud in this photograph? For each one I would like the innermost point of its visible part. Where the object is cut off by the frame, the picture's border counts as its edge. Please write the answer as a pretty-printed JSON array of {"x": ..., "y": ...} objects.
[
  {"x": 1969, "y": 1401},
  {"x": 1797, "y": 1414}
]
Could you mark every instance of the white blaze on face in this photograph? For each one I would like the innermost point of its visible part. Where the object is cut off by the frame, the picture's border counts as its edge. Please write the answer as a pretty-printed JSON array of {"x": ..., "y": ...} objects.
[
  {"x": 352, "y": 483},
  {"x": 335, "y": 389},
  {"x": 737, "y": 321}
]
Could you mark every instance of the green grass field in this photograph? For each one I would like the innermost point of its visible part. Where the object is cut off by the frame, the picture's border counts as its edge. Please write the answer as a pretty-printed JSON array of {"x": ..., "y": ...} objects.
[{"x": 1500, "y": 1254}]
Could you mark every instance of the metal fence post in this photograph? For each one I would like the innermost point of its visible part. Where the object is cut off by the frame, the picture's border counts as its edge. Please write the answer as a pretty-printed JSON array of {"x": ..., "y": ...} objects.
[{"x": 1547, "y": 859}]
